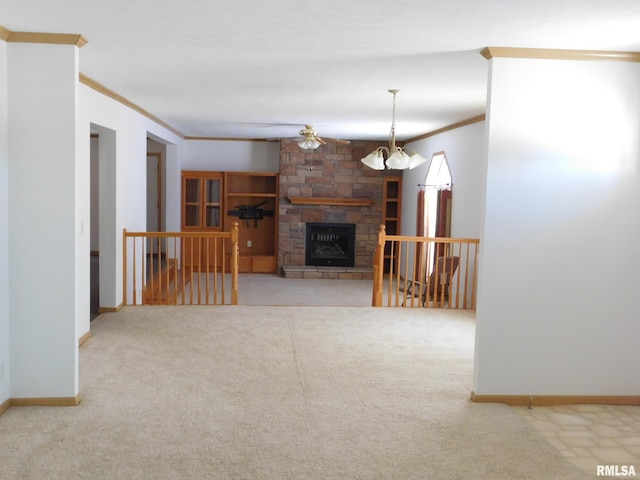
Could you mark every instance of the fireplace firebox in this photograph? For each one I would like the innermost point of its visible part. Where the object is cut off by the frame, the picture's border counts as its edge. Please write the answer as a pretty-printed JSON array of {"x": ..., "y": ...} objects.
[{"x": 330, "y": 244}]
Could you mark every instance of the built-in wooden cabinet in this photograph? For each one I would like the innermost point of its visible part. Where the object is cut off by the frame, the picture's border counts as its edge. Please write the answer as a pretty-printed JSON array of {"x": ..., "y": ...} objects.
[
  {"x": 255, "y": 195},
  {"x": 391, "y": 210},
  {"x": 202, "y": 201},
  {"x": 202, "y": 205},
  {"x": 213, "y": 201}
]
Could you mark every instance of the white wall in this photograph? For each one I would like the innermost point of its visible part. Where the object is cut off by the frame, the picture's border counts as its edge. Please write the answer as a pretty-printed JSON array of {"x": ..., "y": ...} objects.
[
  {"x": 44, "y": 224},
  {"x": 4, "y": 230},
  {"x": 464, "y": 149},
  {"x": 123, "y": 171},
  {"x": 558, "y": 290},
  {"x": 231, "y": 156}
]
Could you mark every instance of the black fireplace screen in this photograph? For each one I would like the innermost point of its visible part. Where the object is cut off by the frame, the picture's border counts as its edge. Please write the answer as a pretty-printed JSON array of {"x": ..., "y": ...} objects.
[{"x": 330, "y": 244}]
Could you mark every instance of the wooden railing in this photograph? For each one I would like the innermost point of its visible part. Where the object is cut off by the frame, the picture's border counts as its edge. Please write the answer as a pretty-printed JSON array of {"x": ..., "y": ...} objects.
[
  {"x": 180, "y": 268},
  {"x": 423, "y": 272}
]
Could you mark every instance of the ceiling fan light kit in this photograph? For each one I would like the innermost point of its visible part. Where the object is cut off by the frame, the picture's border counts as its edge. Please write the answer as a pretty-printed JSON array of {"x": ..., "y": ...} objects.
[
  {"x": 397, "y": 158},
  {"x": 309, "y": 139},
  {"x": 308, "y": 143}
]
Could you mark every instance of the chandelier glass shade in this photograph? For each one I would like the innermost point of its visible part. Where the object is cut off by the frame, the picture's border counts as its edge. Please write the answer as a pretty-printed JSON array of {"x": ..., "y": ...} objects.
[{"x": 397, "y": 158}]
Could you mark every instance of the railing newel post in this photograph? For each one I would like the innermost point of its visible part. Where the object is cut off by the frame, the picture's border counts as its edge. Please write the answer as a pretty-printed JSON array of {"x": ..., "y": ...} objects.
[{"x": 378, "y": 268}]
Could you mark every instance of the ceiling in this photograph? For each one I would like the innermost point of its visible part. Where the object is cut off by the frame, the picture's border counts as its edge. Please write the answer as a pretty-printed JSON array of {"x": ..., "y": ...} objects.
[{"x": 250, "y": 69}]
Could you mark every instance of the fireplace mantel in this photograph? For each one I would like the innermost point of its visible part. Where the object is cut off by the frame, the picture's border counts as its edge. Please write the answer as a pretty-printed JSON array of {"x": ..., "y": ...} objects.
[{"x": 345, "y": 202}]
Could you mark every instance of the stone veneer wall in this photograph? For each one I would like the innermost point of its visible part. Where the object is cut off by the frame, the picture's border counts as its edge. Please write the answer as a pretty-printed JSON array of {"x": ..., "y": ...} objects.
[{"x": 332, "y": 170}]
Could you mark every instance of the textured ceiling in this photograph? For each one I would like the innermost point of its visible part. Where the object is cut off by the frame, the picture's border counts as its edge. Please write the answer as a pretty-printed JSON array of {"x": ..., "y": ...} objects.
[{"x": 236, "y": 68}]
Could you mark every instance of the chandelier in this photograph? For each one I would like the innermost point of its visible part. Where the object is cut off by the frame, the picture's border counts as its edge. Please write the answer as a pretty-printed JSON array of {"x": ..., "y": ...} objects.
[{"x": 397, "y": 158}]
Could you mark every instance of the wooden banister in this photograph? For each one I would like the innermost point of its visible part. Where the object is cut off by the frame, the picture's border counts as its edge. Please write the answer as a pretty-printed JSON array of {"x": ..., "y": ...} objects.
[
  {"x": 425, "y": 271},
  {"x": 179, "y": 267}
]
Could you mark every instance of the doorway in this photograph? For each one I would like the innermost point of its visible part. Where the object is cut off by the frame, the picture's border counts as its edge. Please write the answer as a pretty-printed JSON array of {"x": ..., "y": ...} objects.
[{"x": 104, "y": 237}]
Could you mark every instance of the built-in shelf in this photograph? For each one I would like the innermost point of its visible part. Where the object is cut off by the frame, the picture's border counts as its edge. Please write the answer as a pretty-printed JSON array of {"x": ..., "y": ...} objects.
[{"x": 345, "y": 202}]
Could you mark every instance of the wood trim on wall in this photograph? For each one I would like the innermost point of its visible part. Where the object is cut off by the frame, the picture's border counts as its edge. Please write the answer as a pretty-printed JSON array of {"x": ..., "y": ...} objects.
[
  {"x": 344, "y": 202},
  {"x": 39, "y": 37},
  {"x": 46, "y": 402},
  {"x": 453, "y": 126},
  {"x": 98, "y": 87},
  {"x": 110, "y": 309},
  {"x": 84, "y": 338},
  {"x": 53, "y": 38},
  {"x": 4, "y": 35},
  {"x": 4, "y": 406},
  {"x": 230, "y": 139},
  {"x": 556, "y": 54},
  {"x": 549, "y": 400}
]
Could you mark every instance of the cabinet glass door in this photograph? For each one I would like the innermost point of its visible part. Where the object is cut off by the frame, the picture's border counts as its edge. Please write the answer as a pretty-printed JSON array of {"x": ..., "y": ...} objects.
[
  {"x": 212, "y": 205},
  {"x": 192, "y": 202}
]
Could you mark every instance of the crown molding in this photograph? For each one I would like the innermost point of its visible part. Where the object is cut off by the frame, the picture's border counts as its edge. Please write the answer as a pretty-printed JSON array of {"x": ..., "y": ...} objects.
[
  {"x": 453, "y": 126},
  {"x": 51, "y": 38},
  {"x": 4, "y": 33},
  {"x": 228, "y": 139},
  {"x": 553, "y": 54},
  {"x": 98, "y": 87}
]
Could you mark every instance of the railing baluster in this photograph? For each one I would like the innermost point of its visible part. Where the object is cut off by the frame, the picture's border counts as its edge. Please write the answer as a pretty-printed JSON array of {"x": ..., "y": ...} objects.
[
  {"x": 207, "y": 263},
  {"x": 167, "y": 270},
  {"x": 191, "y": 269},
  {"x": 475, "y": 278},
  {"x": 124, "y": 265},
  {"x": 223, "y": 293},
  {"x": 457, "y": 289},
  {"x": 159, "y": 270},
  {"x": 432, "y": 265},
  {"x": 200, "y": 255},
  {"x": 148, "y": 282},
  {"x": 234, "y": 262},
  {"x": 135, "y": 279},
  {"x": 175, "y": 268},
  {"x": 466, "y": 267},
  {"x": 183, "y": 261}
]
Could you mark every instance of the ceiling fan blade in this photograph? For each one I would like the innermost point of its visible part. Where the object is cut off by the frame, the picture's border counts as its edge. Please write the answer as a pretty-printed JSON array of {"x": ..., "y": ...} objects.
[{"x": 337, "y": 140}]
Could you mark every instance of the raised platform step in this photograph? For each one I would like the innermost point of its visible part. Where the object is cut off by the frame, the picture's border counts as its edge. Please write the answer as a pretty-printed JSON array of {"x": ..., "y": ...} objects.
[
  {"x": 163, "y": 289},
  {"x": 335, "y": 273}
]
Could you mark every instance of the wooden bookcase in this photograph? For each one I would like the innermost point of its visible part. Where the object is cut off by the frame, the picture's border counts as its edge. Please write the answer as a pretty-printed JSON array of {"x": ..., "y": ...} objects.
[
  {"x": 257, "y": 239},
  {"x": 202, "y": 211},
  {"x": 391, "y": 212},
  {"x": 207, "y": 200}
]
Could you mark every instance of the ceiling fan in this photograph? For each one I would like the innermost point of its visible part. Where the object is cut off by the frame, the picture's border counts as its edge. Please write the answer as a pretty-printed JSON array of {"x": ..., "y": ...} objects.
[{"x": 310, "y": 140}]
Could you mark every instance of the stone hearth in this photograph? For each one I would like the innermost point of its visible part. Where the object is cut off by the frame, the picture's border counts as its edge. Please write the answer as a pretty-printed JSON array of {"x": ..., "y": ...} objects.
[{"x": 339, "y": 273}]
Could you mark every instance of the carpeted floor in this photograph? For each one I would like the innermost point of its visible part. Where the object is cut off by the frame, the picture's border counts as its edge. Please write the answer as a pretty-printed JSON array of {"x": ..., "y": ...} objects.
[{"x": 277, "y": 393}]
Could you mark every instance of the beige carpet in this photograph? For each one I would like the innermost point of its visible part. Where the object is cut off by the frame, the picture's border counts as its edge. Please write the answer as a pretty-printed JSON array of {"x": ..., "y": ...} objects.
[{"x": 277, "y": 393}]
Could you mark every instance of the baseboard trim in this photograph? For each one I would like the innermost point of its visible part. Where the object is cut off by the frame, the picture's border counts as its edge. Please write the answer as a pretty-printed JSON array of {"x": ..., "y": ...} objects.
[
  {"x": 110, "y": 309},
  {"x": 46, "y": 402},
  {"x": 4, "y": 406},
  {"x": 549, "y": 400},
  {"x": 84, "y": 338}
]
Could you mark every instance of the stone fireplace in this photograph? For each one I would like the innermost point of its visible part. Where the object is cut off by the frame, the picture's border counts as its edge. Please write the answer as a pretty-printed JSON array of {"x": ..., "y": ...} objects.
[{"x": 329, "y": 185}]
